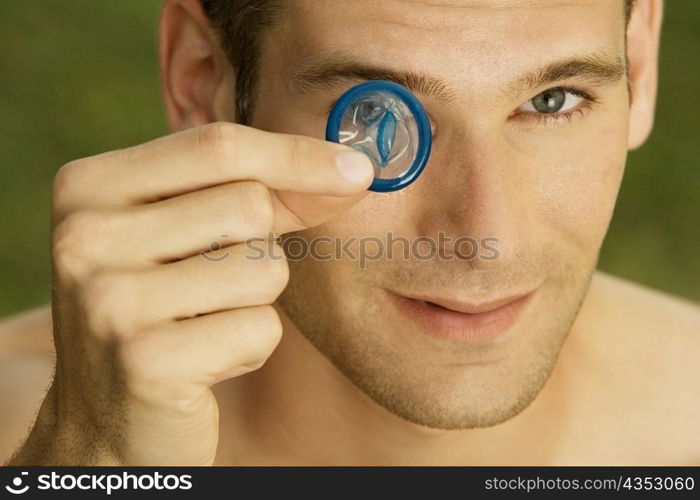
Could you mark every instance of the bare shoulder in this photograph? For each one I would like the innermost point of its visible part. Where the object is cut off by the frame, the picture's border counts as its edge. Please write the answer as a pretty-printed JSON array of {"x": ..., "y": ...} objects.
[
  {"x": 662, "y": 332},
  {"x": 26, "y": 365},
  {"x": 669, "y": 324},
  {"x": 647, "y": 350}
]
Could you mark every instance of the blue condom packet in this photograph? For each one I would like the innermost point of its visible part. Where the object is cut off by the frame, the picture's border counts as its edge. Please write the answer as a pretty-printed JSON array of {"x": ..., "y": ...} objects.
[{"x": 385, "y": 121}]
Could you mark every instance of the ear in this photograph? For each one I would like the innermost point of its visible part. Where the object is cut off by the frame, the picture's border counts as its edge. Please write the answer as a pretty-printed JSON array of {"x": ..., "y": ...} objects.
[
  {"x": 197, "y": 79},
  {"x": 643, "y": 36}
]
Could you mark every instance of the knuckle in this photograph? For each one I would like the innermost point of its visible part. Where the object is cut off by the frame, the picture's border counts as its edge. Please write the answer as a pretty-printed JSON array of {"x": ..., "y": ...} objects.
[
  {"x": 71, "y": 240},
  {"x": 268, "y": 332},
  {"x": 217, "y": 139},
  {"x": 109, "y": 301},
  {"x": 65, "y": 180},
  {"x": 257, "y": 206},
  {"x": 83, "y": 238},
  {"x": 68, "y": 173},
  {"x": 276, "y": 273}
]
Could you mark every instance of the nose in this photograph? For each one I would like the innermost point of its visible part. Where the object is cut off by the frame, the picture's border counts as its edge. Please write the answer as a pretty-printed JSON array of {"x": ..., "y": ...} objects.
[{"x": 473, "y": 187}]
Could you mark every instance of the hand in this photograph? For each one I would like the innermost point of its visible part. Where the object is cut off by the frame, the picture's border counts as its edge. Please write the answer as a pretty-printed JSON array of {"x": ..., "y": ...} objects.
[{"x": 143, "y": 325}]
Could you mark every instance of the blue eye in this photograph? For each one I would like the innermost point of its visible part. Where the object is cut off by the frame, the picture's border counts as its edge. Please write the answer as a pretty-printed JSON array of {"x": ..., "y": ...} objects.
[
  {"x": 369, "y": 112},
  {"x": 550, "y": 101},
  {"x": 556, "y": 100},
  {"x": 388, "y": 124}
]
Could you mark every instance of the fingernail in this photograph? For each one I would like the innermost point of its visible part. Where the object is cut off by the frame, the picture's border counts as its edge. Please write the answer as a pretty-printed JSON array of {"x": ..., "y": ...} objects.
[{"x": 355, "y": 167}]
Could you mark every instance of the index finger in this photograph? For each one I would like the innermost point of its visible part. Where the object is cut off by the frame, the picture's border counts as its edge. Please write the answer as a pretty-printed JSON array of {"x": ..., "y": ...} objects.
[{"x": 210, "y": 155}]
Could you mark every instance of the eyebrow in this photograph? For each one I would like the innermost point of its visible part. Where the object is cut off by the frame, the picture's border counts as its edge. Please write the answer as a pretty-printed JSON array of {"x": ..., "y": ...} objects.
[
  {"x": 334, "y": 71},
  {"x": 601, "y": 68}
]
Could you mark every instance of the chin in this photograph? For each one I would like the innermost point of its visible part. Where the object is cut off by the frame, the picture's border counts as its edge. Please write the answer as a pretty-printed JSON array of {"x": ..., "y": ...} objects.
[
  {"x": 436, "y": 379},
  {"x": 451, "y": 397}
]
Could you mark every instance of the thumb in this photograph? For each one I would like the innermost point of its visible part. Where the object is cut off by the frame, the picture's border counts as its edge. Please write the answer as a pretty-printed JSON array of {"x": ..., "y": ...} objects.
[{"x": 295, "y": 211}]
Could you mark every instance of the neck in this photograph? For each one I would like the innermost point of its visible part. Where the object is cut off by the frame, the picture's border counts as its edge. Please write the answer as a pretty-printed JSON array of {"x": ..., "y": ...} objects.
[{"x": 299, "y": 409}]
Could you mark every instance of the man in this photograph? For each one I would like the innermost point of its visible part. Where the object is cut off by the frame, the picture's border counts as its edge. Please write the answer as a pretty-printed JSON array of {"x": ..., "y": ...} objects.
[{"x": 528, "y": 358}]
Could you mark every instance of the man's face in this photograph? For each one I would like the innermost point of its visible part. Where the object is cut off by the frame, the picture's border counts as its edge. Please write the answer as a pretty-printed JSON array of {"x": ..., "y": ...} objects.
[{"x": 544, "y": 185}]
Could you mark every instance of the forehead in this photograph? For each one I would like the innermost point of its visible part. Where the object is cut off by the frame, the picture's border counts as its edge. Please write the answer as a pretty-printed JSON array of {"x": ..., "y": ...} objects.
[
  {"x": 456, "y": 38},
  {"x": 437, "y": 14}
]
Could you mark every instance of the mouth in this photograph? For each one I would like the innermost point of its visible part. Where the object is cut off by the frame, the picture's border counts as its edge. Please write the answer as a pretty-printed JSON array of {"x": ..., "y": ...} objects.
[{"x": 461, "y": 321}]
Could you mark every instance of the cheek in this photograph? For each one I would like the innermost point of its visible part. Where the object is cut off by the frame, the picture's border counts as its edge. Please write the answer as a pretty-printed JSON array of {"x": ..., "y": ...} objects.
[{"x": 577, "y": 180}]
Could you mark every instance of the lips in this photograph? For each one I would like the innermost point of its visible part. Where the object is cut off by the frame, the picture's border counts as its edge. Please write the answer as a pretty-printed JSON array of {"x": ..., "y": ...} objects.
[{"x": 458, "y": 320}]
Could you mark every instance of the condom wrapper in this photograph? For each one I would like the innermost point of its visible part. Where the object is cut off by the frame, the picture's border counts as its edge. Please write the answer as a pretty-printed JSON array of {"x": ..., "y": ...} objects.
[{"x": 385, "y": 121}]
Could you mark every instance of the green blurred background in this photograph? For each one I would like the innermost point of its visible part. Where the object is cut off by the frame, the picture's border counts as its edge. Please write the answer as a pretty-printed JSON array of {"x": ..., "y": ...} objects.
[{"x": 78, "y": 77}]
